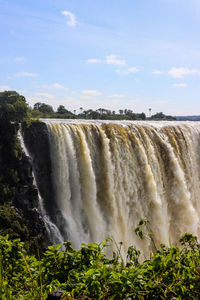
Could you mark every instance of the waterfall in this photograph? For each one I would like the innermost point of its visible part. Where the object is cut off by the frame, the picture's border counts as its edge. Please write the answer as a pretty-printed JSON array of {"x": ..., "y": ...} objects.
[{"x": 107, "y": 176}]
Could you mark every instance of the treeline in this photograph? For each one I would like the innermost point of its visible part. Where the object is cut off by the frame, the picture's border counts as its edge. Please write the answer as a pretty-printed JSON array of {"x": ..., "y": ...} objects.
[
  {"x": 16, "y": 108},
  {"x": 43, "y": 110}
]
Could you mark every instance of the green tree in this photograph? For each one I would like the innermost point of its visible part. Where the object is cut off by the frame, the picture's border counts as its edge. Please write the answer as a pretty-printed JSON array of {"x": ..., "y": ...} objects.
[
  {"x": 142, "y": 116},
  {"x": 94, "y": 114},
  {"x": 43, "y": 108},
  {"x": 62, "y": 110},
  {"x": 13, "y": 107},
  {"x": 159, "y": 115}
]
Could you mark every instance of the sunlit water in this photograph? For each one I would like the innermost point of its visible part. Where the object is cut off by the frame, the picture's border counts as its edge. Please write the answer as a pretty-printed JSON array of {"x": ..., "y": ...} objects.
[{"x": 107, "y": 175}]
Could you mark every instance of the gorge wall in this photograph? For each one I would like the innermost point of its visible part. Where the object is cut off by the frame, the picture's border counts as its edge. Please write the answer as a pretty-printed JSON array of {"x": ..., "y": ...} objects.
[
  {"x": 98, "y": 178},
  {"x": 19, "y": 213}
]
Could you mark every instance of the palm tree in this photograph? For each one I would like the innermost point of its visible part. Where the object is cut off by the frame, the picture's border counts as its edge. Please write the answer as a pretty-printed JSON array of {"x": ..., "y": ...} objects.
[{"x": 149, "y": 112}]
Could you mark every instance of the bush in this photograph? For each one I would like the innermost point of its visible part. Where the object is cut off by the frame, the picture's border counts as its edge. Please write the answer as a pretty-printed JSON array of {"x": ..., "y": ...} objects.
[{"x": 172, "y": 273}]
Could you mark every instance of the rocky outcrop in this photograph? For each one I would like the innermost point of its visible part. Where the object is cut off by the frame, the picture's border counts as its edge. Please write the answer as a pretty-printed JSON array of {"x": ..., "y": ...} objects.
[
  {"x": 37, "y": 142},
  {"x": 26, "y": 198},
  {"x": 17, "y": 190},
  {"x": 56, "y": 295},
  {"x": 26, "y": 194}
]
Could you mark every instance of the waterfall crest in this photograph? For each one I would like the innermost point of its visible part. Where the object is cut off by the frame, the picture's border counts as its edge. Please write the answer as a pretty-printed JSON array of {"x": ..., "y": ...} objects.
[{"x": 107, "y": 176}]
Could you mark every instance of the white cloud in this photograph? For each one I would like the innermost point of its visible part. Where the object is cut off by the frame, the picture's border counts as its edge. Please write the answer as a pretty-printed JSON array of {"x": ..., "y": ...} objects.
[
  {"x": 127, "y": 71},
  {"x": 45, "y": 86},
  {"x": 44, "y": 95},
  {"x": 57, "y": 86},
  {"x": 114, "y": 60},
  {"x": 71, "y": 99},
  {"x": 4, "y": 88},
  {"x": 86, "y": 97},
  {"x": 53, "y": 86},
  {"x": 93, "y": 61},
  {"x": 91, "y": 93},
  {"x": 19, "y": 59},
  {"x": 179, "y": 84},
  {"x": 71, "y": 17},
  {"x": 157, "y": 72},
  {"x": 26, "y": 74},
  {"x": 117, "y": 96},
  {"x": 181, "y": 72}
]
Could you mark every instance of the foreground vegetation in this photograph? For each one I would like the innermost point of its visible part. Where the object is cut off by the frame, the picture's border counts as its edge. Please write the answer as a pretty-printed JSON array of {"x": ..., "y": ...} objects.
[{"x": 172, "y": 273}]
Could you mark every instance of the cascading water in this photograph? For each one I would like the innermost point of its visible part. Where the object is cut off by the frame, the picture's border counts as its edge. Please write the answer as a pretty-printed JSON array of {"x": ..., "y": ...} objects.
[{"x": 107, "y": 176}]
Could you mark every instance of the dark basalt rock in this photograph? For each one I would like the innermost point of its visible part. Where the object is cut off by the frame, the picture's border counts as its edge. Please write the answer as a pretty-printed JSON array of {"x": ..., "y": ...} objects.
[
  {"x": 37, "y": 142},
  {"x": 55, "y": 295},
  {"x": 17, "y": 189},
  {"x": 26, "y": 194},
  {"x": 26, "y": 198}
]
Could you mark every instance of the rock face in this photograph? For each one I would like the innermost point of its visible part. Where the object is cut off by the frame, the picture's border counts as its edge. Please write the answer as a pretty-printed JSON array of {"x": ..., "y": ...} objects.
[
  {"x": 26, "y": 196},
  {"x": 17, "y": 189},
  {"x": 55, "y": 295},
  {"x": 37, "y": 142}
]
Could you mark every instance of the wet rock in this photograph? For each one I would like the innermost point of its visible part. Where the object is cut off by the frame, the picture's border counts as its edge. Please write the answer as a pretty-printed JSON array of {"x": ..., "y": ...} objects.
[
  {"x": 55, "y": 295},
  {"x": 37, "y": 142},
  {"x": 17, "y": 180}
]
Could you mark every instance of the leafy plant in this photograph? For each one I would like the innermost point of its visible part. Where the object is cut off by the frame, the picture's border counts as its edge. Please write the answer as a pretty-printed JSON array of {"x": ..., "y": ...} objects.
[{"x": 172, "y": 273}]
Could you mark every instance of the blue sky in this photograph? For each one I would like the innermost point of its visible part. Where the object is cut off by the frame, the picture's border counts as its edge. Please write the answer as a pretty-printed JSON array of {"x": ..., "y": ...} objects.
[{"x": 134, "y": 54}]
